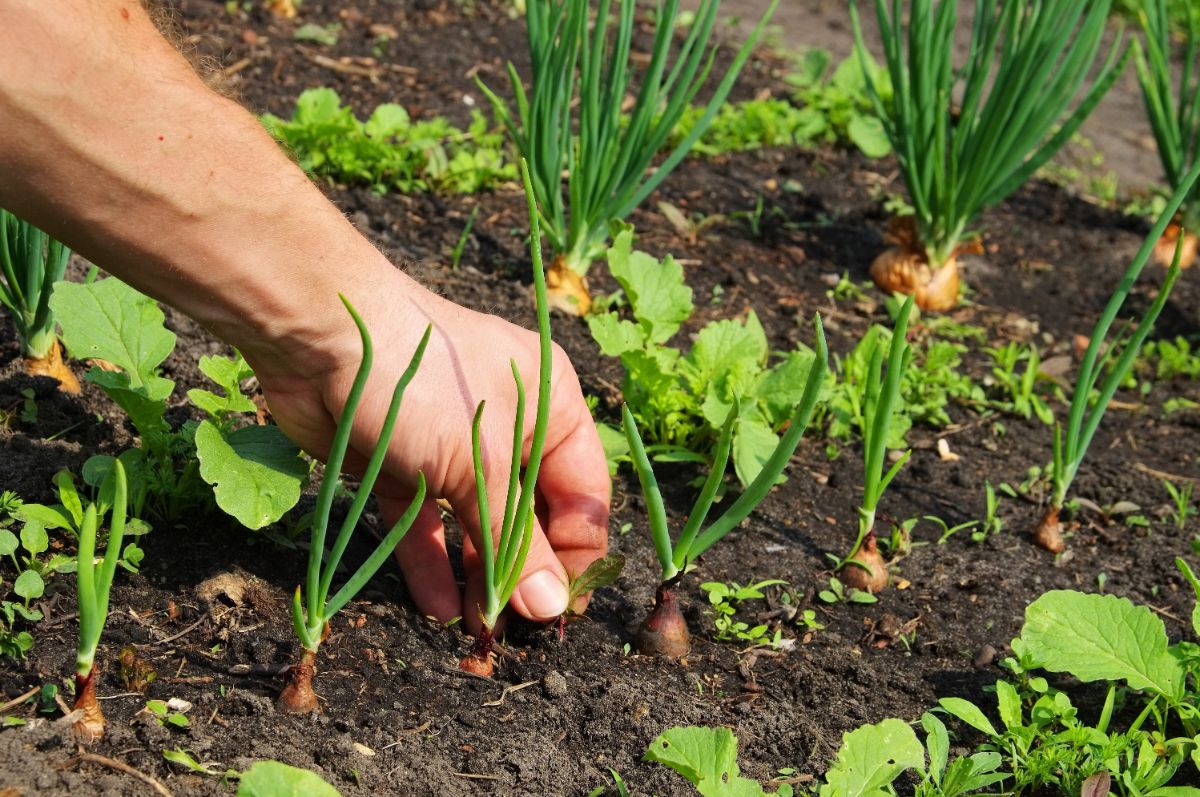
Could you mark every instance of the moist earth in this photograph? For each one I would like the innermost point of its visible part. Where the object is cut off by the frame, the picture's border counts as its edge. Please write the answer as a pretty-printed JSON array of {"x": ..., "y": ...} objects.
[{"x": 397, "y": 716}]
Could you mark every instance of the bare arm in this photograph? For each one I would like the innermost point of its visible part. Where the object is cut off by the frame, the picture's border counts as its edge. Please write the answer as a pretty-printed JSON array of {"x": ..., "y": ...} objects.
[{"x": 110, "y": 142}]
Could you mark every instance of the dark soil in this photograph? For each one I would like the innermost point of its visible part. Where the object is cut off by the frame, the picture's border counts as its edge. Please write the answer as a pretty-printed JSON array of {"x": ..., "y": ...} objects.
[{"x": 399, "y": 718}]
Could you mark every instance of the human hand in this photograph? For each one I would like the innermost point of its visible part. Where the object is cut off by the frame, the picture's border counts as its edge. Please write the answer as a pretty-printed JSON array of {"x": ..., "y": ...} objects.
[{"x": 467, "y": 361}]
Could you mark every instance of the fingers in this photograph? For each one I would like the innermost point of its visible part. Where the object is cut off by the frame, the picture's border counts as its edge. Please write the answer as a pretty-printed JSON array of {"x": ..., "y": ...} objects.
[
  {"x": 576, "y": 490},
  {"x": 423, "y": 559}
]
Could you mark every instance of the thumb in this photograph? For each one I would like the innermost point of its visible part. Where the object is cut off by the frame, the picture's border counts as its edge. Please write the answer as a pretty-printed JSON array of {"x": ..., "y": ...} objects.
[{"x": 541, "y": 592}]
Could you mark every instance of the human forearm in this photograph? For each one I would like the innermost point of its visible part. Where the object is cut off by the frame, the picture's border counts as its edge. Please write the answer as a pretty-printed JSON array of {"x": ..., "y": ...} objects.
[{"x": 110, "y": 142}]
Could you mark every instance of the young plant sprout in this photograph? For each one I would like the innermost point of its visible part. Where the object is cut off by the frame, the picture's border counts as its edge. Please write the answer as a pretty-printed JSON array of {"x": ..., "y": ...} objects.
[
  {"x": 1104, "y": 367},
  {"x": 32, "y": 262},
  {"x": 1027, "y": 61},
  {"x": 864, "y": 568},
  {"x": 665, "y": 631},
  {"x": 312, "y": 607},
  {"x": 606, "y": 154},
  {"x": 94, "y": 583},
  {"x": 503, "y": 555},
  {"x": 1175, "y": 120}
]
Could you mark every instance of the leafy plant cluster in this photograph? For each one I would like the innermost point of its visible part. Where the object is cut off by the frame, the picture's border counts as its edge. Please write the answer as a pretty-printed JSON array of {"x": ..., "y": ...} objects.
[
  {"x": 840, "y": 105},
  {"x": 252, "y": 472},
  {"x": 681, "y": 401},
  {"x": 390, "y": 151}
]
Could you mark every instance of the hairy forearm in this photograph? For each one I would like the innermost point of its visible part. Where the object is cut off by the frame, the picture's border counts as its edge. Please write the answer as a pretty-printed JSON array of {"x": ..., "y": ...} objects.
[{"x": 109, "y": 141}]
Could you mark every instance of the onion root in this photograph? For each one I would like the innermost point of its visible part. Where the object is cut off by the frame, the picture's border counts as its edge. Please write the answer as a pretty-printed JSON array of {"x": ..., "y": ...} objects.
[{"x": 298, "y": 696}]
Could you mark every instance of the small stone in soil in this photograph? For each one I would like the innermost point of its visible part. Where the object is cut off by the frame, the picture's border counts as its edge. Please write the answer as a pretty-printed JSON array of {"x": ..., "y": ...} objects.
[{"x": 554, "y": 684}]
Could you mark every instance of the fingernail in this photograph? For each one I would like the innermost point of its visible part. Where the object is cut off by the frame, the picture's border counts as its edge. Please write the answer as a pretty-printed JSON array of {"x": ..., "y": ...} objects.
[{"x": 544, "y": 594}]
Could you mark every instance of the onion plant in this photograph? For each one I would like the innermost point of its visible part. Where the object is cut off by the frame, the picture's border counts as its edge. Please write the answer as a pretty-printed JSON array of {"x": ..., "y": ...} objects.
[
  {"x": 32, "y": 262},
  {"x": 312, "y": 605},
  {"x": 93, "y": 585},
  {"x": 1175, "y": 119},
  {"x": 864, "y": 568},
  {"x": 571, "y": 120},
  {"x": 1104, "y": 368},
  {"x": 1027, "y": 61},
  {"x": 502, "y": 555},
  {"x": 665, "y": 632}
]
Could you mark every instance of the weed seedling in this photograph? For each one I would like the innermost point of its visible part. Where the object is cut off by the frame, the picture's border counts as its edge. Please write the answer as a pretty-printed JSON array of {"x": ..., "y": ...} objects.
[
  {"x": 665, "y": 632},
  {"x": 502, "y": 556},
  {"x": 1181, "y": 497},
  {"x": 310, "y": 619},
  {"x": 725, "y": 598},
  {"x": 840, "y": 593}
]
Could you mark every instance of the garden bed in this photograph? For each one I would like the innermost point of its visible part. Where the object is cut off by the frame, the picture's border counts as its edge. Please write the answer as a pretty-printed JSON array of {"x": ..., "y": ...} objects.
[{"x": 398, "y": 717}]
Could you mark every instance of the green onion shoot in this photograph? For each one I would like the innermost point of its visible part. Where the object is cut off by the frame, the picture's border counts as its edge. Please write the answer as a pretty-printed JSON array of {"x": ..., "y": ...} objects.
[
  {"x": 1104, "y": 368},
  {"x": 665, "y": 632},
  {"x": 967, "y": 136},
  {"x": 503, "y": 554},
  {"x": 312, "y": 606},
  {"x": 93, "y": 585},
  {"x": 30, "y": 263},
  {"x": 864, "y": 568},
  {"x": 1175, "y": 120},
  {"x": 571, "y": 120}
]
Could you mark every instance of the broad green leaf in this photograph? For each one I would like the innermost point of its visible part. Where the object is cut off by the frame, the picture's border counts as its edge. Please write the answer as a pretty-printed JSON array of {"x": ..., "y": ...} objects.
[
  {"x": 1101, "y": 638},
  {"x": 753, "y": 444},
  {"x": 8, "y": 543},
  {"x": 1174, "y": 791},
  {"x": 314, "y": 106},
  {"x": 256, "y": 472},
  {"x": 29, "y": 585},
  {"x": 969, "y": 713},
  {"x": 34, "y": 538},
  {"x": 1195, "y": 583},
  {"x": 276, "y": 779},
  {"x": 614, "y": 335},
  {"x": 871, "y": 758},
  {"x": 50, "y": 517},
  {"x": 720, "y": 347},
  {"x": 658, "y": 296},
  {"x": 599, "y": 573},
  {"x": 868, "y": 134},
  {"x": 1009, "y": 703},
  {"x": 68, "y": 493},
  {"x": 108, "y": 320},
  {"x": 144, "y": 405},
  {"x": 937, "y": 741},
  {"x": 781, "y": 389},
  {"x": 705, "y": 756}
]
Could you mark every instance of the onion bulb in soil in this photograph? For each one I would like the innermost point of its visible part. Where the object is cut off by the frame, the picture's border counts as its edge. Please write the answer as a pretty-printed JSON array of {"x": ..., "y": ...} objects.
[
  {"x": 664, "y": 632},
  {"x": 903, "y": 270},
  {"x": 866, "y": 570},
  {"x": 481, "y": 660},
  {"x": 298, "y": 696},
  {"x": 90, "y": 726},
  {"x": 52, "y": 365},
  {"x": 1164, "y": 247},
  {"x": 566, "y": 289},
  {"x": 1048, "y": 533}
]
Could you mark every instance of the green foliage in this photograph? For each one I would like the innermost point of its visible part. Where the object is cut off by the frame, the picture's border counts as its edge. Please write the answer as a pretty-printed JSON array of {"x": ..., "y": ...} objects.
[
  {"x": 94, "y": 582},
  {"x": 253, "y": 473},
  {"x": 725, "y": 598},
  {"x": 164, "y": 714},
  {"x": 30, "y": 263},
  {"x": 871, "y": 758},
  {"x": 1106, "y": 365},
  {"x": 1181, "y": 499},
  {"x": 276, "y": 779},
  {"x": 1168, "y": 359},
  {"x": 839, "y": 108},
  {"x": 599, "y": 573},
  {"x": 752, "y": 124},
  {"x": 681, "y": 401},
  {"x": 1101, "y": 638},
  {"x": 309, "y": 620},
  {"x": 675, "y": 557},
  {"x": 1173, "y": 110},
  {"x": 502, "y": 557},
  {"x": 570, "y": 119},
  {"x": 1018, "y": 391},
  {"x": 390, "y": 151},
  {"x": 837, "y": 592},
  {"x": 1026, "y": 62},
  {"x": 705, "y": 756}
]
